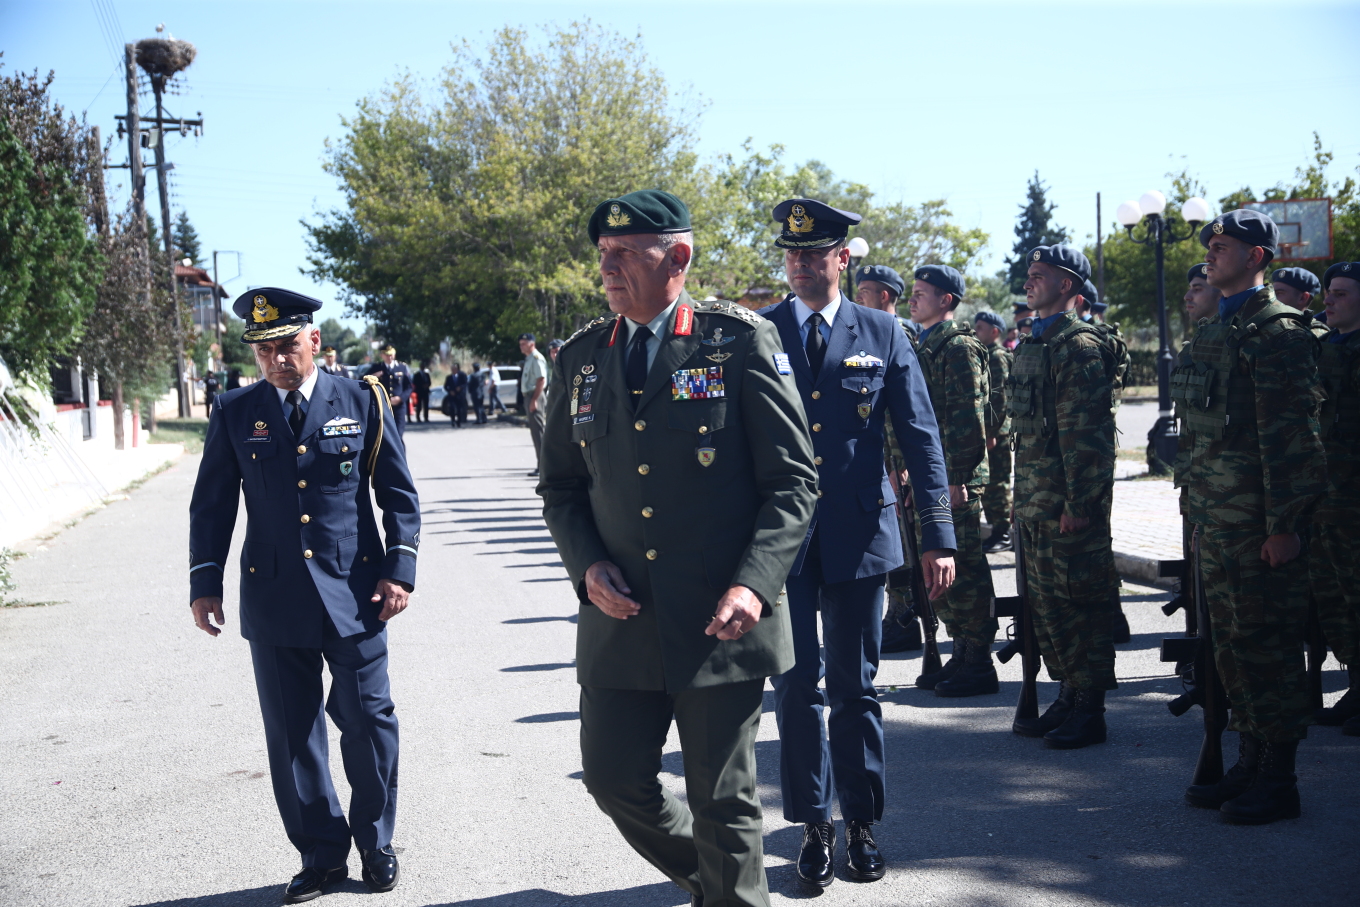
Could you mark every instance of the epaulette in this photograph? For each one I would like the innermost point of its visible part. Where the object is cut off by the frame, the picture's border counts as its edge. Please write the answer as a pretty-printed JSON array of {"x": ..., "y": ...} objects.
[
  {"x": 723, "y": 307},
  {"x": 603, "y": 319}
]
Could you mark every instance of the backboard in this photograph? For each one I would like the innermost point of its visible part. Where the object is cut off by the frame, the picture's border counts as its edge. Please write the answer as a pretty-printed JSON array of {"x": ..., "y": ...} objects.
[{"x": 1305, "y": 227}]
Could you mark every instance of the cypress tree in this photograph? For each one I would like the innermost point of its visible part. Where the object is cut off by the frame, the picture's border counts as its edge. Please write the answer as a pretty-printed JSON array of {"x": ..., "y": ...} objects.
[{"x": 1034, "y": 227}]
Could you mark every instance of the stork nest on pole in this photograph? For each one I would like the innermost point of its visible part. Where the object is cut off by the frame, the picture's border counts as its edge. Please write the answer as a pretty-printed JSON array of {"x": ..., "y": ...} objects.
[{"x": 164, "y": 56}]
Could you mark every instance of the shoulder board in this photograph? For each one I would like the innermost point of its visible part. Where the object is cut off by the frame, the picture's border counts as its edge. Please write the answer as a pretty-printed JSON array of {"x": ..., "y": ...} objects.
[
  {"x": 602, "y": 320},
  {"x": 731, "y": 309}
]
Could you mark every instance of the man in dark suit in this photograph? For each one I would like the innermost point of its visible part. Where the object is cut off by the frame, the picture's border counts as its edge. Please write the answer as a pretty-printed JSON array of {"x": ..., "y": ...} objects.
[
  {"x": 421, "y": 382},
  {"x": 455, "y": 387},
  {"x": 395, "y": 377},
  {"x": 476, "y": 386},
  {"x": 853, "y": 365},
  {"x": 318, "y": 583},
  {"x": 677, "y": 482}
]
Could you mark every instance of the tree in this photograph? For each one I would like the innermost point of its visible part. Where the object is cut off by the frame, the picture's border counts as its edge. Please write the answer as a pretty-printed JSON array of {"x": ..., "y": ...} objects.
[
  {"x": 49, "y": 260},
  {"x": 185, "y": 239},
  {"x": 1034, "y": 227},
  {"x": 350, "y": 348}
]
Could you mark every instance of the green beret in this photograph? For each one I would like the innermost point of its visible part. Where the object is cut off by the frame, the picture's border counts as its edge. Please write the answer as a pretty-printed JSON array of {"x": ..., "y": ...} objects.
[{"x": 644, "y": 211}]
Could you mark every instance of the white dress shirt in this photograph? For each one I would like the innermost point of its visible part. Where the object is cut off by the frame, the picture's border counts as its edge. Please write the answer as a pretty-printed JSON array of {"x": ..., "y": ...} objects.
[{"x": 307, "y": 387}]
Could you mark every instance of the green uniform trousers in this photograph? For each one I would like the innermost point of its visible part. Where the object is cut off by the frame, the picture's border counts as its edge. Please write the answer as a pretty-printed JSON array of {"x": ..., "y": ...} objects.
[
  {"x": 713, "y": 847},
  {"x": 966, "y": 609},
  {"x": 1069, "y": 577},
  {"x": 996, "y": 496},
  {"x": 1258, "y": 616},
  {"x": 1333, "y": 576}
]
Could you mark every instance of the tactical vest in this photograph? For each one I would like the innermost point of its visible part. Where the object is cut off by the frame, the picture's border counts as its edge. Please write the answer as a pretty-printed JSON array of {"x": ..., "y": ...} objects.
[
  {"x": 931, "y": 355},
  {"x": 1340, "y": 417},
  {"x": 1119, "y": 350},
  {"x": 1031, "y": 397},
  {"x": 1212, "y": 393}
]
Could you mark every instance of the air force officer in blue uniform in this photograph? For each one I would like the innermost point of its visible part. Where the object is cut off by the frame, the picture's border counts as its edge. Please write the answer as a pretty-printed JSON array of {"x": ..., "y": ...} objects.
[
  {"x": 852, "y": 365},
  {"x": 318, "y": 583}
]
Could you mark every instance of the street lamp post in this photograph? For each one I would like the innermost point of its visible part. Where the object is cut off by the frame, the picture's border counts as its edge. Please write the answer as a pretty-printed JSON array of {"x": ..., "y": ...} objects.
[
  {"x": 858, "y": 249},
  {"x": 1163, "y": 438}
]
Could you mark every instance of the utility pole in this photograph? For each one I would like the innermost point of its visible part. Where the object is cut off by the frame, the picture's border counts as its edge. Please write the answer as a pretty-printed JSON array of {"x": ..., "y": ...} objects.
[
  {"x": 1100, "y": 253},
  {"x": 162, "y": 187},
  {"x": 134, "y": 134}
]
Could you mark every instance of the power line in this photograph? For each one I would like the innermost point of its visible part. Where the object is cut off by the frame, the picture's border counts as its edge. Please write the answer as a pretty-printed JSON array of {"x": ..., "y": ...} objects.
[{"x": 110, "y": 28}]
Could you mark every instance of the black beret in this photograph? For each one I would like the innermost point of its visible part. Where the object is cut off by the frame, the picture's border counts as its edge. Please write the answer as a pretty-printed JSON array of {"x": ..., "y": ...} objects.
[
  {"x": 809, "y": 224},
  {"x": 881, "y": 274},
  {"x": 1198, "y": 272},
  {"x": 529, "y": 337},
  {"x": 991, "y": 318},
  {"x": 1251, "y": 227},
  {"x": 942, "y": 277},
  {"x": 1349, "y": 269},
  {"x": 644, "y": 211},
  {"x": 556, "y": 344},
  {"x": 1300, "y": 279},
  {"x": 1092, "y": 297},
  {"x": 271, "y": 313},
  {"x": 1064, "y": 257}
]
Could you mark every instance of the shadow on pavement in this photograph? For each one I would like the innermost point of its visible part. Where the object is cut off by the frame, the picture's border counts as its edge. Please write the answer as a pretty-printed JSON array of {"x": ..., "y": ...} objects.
[
  {"x": 249, "y": 897},
  {"x": 661, "y": 894}
]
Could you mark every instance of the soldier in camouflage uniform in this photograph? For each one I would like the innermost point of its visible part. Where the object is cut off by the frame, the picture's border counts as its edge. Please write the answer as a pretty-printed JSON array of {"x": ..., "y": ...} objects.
[
  {"x": 1201, "y": 298},
  {"x": 1061, "y": 404},
  {"x": 954, "y": 362},
  {"x": 996, "y": 497},
  {"x": 1297, "y": 288},
  {"x": 1253, "y": 468},
  {"x": 1336, "y": 523}
]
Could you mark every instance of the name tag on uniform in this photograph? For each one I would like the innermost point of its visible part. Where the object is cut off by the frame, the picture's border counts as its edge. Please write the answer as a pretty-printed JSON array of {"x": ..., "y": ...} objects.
[
  {"x": 863, "y": 361},
  {"x": 579, "y": 419},
  {"x": 340, "y": 427},
  {"x": 781, "y": 364},
  {"x": 261, "y": 433},
  {"x": 697, "y": 384}
]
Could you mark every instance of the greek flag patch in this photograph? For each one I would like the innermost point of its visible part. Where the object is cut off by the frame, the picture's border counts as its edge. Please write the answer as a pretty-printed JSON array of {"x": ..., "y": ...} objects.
[{"x": 781, "y": 364}]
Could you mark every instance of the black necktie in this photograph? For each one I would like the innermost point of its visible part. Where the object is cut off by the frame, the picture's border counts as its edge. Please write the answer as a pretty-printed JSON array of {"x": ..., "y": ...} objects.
[
  {"x": 816, "y": 344},
  {"x": 296, "y": 417},
  {"x": 636, "y": 373}
]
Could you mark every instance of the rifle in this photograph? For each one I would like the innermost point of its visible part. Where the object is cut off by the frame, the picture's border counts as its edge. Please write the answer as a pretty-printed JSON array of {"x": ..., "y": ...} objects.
[
  {"x": 1021, "y": 633},
  {"x": 911, "y": 577},
  {"x": 1317, "y": 653},
  {"x": 1200, "y": 675}
]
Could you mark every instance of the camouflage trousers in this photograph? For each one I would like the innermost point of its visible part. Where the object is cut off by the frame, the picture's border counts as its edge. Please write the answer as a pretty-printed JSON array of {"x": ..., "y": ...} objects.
[
  {"x": 966, "y": 609},
  {"x": 1332, "y": 574},
  {"x": 1257, "y": 616},
  {"x": 996, "y": 496},
  {"x": 1069, "y": 579}
]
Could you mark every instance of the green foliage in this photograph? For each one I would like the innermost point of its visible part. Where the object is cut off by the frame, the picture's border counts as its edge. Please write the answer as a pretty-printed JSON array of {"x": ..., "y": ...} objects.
[
  {"x": 236, "y": 354},
  {"x": 6, "y": 579},
  {"x": 993, "y": 292},
  {"x": 350, "y": 348},
  {"x": 49, "y": 262},
  {"x": 185, "y": 239},
  {"x": 189, "y": 432},
  {"x": 1034, "y": 227}
]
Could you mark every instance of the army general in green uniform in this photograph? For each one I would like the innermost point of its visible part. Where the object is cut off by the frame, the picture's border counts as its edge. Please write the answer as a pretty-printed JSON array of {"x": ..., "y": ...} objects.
[{"x": 678, "y": 483}]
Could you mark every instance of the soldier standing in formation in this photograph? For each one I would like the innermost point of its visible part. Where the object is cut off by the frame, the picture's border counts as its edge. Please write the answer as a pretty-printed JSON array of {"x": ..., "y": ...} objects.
[
  {"x": 1336, "y": 523},
  {"x": 328, "y": 364},
  {"x": 395, "y": 377},
  {"x": 678, "y": 482},
  {"x": 958, "y": 375},
  {"x": 1061, "y": 405},
  {"x": 853, "y": 365},
  {"x": 1297, "y": 288},
  {"x": 996, "y": 497},
  {"x": 1253, "y": 468},
  {"x": 1201, "y": 297}
]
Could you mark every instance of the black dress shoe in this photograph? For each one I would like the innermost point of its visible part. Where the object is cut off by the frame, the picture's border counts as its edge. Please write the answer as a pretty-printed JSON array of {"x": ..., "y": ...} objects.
[
  {"x": 999, "y": 540},
  {"x": 380, "y": 868},
  {"x": 862, "y": 859},
  {"x": 308, "y": 884},
  {"x": 814, "y": 860}
]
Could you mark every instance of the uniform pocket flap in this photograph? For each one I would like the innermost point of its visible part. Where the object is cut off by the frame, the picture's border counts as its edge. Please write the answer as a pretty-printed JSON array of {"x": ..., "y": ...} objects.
[
  {"x": 588, "y": 427},
  {"x": 258, "y": 560},
  {"x": 863, "y": 384},
  {"x": 339, "y": 446},
  {"x": 699, "y": 416},
  {"x": 876, "y": 497}
]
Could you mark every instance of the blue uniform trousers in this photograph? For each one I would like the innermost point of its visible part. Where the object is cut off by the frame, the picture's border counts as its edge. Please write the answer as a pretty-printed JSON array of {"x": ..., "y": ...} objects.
[
  {"x": 289, "y": 684},
  {"x": 852, "y": 759}
]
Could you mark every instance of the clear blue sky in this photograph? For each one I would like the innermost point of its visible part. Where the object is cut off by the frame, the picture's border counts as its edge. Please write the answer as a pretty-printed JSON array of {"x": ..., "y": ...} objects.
[{"x": 918, "y": 100}]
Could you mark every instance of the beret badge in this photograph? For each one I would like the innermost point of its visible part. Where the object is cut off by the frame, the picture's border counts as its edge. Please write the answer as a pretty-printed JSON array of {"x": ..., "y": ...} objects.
[
  {"x": 263, "y": 311},
  {"x": 800, "y": 221},
  {"x": 617, "y": 217},
  {"x": 1036, "y": 254},
  {"x": 1218, "y": 228}
]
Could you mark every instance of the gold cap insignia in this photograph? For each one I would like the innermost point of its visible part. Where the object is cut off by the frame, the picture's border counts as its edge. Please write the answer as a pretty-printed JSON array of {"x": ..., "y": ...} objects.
[
  {"x": 261, "y": 425},
  {"x": 799, "y": 221},
  {"x": 617, "y": 217},
  {"x": 1218, "y": 228},
  {"x": 263, "y": 311}
]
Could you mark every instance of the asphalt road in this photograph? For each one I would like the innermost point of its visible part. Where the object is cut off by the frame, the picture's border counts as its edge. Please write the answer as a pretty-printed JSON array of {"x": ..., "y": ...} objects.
[{"x": 133, "y": 772}]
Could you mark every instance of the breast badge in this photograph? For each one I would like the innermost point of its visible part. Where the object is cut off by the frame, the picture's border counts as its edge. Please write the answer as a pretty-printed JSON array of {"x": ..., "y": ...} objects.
[
  {"x": 863, "y": 360},
  {"x": 865, "y": 409},
  {"x": 346, "y": 467},
  {"x": 706, "y": 455},
  {"x": 717, "y": 339}
]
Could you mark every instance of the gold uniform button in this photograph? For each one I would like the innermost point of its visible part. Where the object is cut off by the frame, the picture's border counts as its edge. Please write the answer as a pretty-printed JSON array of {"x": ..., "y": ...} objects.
[
  {"x": 302, "y": 483},
  {"x": 252, "y": 456},
  {"x": 816, "y": 395},
  {"x": 302, "y": 449},
  {"x": 583, "y": 442},
  {"x": 344, "y": 448},
  {"x": 644, "y": 469},
  {"x": 651, "y": 554},
  {"x": 647, "y": 512},
  {"x": 252, "y": 569},
  {"x": 816, "y": 461},
  {"x": 819, "y": 492},
  {"x": 306, "y": 518},
  {"x": 703, "y": 429},
  {"x": 307, "y": 553},
  {"x": 365, "y": 558},
  {"x": 816, "y": 426},
  {"x": 880, "y": 502},
  {"x": 640, "y": 424},
  {"x": 864, "y": 390}
]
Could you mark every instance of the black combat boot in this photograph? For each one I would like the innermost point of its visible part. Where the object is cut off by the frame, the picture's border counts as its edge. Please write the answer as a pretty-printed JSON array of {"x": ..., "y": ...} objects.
[
  {"x": 1120, "y": 629},
  {"x": 1347, "y": 707},
  {"x": 1051, "y": 719},
  {"x": 1274, "y": 794},
  {"x": 999, "y": 540},
  {"x": 975, "y": 677},
  {"x": 928, "y": 681},
  {"x": 1235, "y": 781},
  {"x": 1084, "y": 726},
  {"x": 900, "y": 636}
]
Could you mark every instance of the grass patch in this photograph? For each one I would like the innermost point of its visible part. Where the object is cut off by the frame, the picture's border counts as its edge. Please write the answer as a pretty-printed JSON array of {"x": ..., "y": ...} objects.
[{"x": 189, "y": 432}]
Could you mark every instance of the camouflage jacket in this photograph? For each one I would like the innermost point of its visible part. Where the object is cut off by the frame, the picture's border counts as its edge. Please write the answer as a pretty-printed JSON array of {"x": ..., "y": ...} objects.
[
  {"x": 1246, "y": 395},
  {"x": 999, "y": 361},
  {"x": 1339, "y": 423},
  {"x": 955, "y": 365},
  {"x": 1060, "y": 401},
  {"x": 1120, "y": 351}
]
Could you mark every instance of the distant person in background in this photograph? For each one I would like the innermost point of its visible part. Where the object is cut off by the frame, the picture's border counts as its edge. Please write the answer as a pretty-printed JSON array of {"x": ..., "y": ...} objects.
[
  {"x": 1201, "y": 299},
  {"x": 493, "y": 391},
  {"x": 233, "y": 379},
  {"x": 553, "y": 348},
  {"x": 455, "y": 387},
  {"x": 476, "y": 386},
  {"x": 329, "y": 365},
  {"x": 210, "y": 389},
  {"x": 421, "y": 382},
  {"x": 1297, "y": 288},
  {"x": 396, "y": 378},
  {"x": 1012, "y": 338},
  {"x": 533, "y": 384}
]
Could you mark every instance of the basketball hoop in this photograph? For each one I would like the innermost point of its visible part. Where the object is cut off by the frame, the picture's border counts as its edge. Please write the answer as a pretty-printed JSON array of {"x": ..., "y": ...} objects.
[{"x": 1305, "y": 227}]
